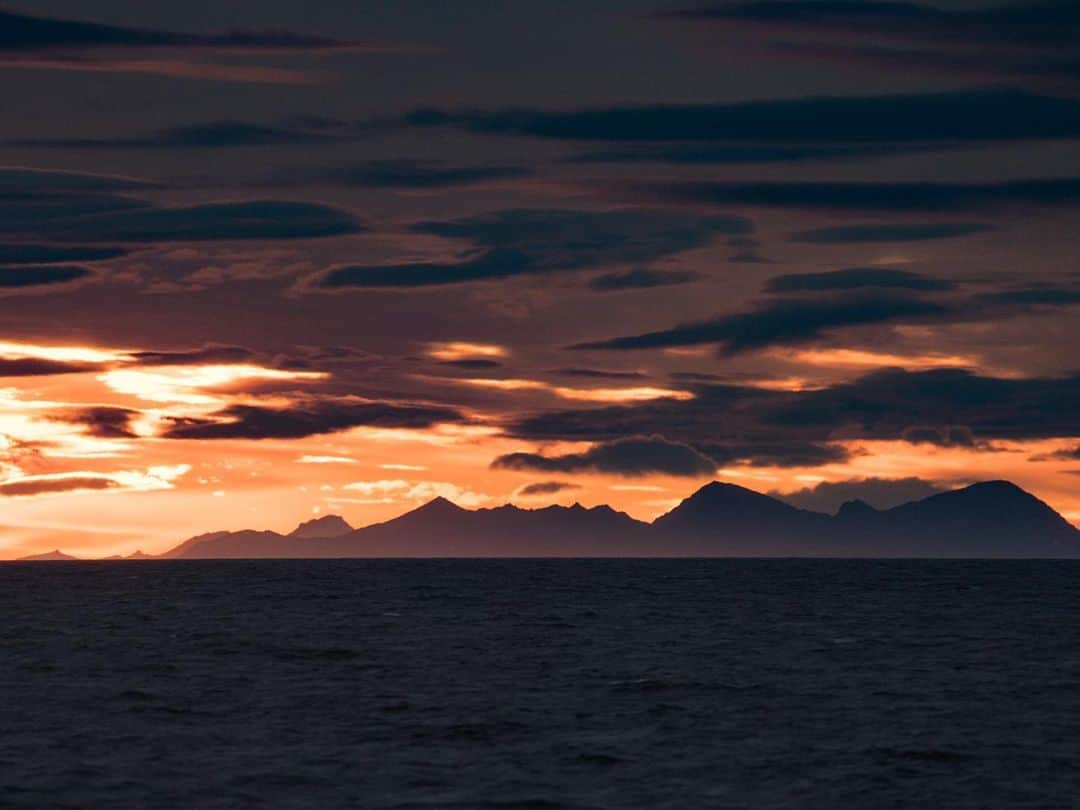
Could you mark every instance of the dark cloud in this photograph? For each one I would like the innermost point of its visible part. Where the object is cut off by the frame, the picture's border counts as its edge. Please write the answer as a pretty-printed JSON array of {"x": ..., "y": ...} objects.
[
  {"x": 102, "y": 421},
  {"x": 40, "y": 206},
  {"x": 854, "y": 278},
  {"x": 254, "y": 219},
  {"x": 472, "y": 363},
  {"x": 487, "y": 266},
  {"x": 633, "y": 456},
  {"x": 642, "y": 278},
  {"x": 717, "y": 413},
  {"x": 37, "y": 216},
  {"x": 1033, "y": 39},
  {"x": 953, "y": 116},
  {"x": 53, "y": 254},
  {"x": 697, "y": 154},
  {"x": 25, "y": 34},
  {"x": 774, "y": 454},
  {"x": 43, "y": 485},
  {"x": 697, "y": 377},
  {"x": 309, "y": 418},
  {"x": 784, "y": 321},
  {"x": 944, "y": 436},
  {"x": 862, "y": 196},
  {"x": 212, "y": 135},
  {"x": 885, "y": 405},
  {"x": 880, "y": 493},
  {"x": 420, "y": 174},
  {"x": 192, "y": 357},
  {"x": 1033, "y": 297},
  {"x": 45, "y": 275},
  {"x": 30, "y": 41},
  {"x": 20, "y": 181},
  {"x": 530, "y": 241},
  {"x": 546, "y": 488},
  {"x": 1068, "y": 454},
  {"x": 599, "y": 374},
  {"x": 890, "y": 232},
  {"x": 40, "y": 367}
]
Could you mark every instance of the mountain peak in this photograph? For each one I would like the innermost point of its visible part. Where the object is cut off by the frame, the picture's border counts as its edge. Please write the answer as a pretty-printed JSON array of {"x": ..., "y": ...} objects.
[
  {"x": 997, "y": 487},
  {"x": 326, "y": 526},
  {"x": 439, "y": 505},
  {"x": 719, "y": 501},
  {"x": 855, "y": 508},
  {"x": 56, "y": 555},
  {"x": 720, "y": 494}
]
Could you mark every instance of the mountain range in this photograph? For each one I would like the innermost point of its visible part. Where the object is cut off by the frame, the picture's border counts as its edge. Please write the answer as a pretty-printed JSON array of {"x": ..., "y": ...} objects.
[{"x": 989, "y": 519}]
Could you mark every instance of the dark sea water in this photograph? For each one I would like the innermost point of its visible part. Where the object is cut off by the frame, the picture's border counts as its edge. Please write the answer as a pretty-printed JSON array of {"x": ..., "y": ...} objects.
[{"x": 524, "y": 684}]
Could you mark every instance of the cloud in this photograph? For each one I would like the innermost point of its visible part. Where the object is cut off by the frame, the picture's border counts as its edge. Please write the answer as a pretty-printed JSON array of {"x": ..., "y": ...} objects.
[
  {"x": 32, "y": 41},
  {"x": 950, "y": 117},
  {"x": 642, "y": 278},
  {"x": 855, "y": 278},
  {"x": 211, "y": 135},
  {"x": 252, "y": 219},
  {"x": 698, "y": 154},
  {"x": 885, "y": 404},
  {"x": 155, "y": 478},
  {"x": 632, "y": 457},
  {"x": 861, "y": 196},
  {"x": 880, "y": 493},
  {"x": 1034, "y": 39},
  {"x": 22, "y": 254},
  {"x": 472, "y": 363},
  {"x": 416, "y": 174},
  {"x": 46, "y": 485},
  {"x": 309, "y": 418},
  {"x": 545, "y": 488},
  {"x": 16, "y": 277},
  {"x": 1068, "y": 454},
  {"x": 40, "y": 367},
  {"x": 944, "y": 436},
  {"x": 326, "y": 460},
  {"x": 599, "y": 374},
  {"x": 210, "y": 354},
  {"x": 393, "y": 490},
  {"x": 890, "y": 232},
  {"x": 1033, "y": 297},
  {"x": 787, "y": 453},
  {"x": 452, "y": 350},
  {"x": 533, "y": 241},
  {"x": 39, "y": 208},
  {"x": 881, "y": 405},
  {"x": 25, "y": 33},
  {"x": 785, "y": 321},
  {"x": 20, "y": 181},
  {"x": 102, "y": 421},
  {"x": 488, "y": 266}
]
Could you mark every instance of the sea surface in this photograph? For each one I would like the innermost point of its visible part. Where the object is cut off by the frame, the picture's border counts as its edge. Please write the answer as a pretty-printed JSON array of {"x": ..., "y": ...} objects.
[{"x": 540, "y": 684}]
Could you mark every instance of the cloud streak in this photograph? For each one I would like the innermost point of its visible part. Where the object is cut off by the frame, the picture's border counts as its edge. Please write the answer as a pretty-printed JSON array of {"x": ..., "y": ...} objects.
[{"x": 521, "y": 242}]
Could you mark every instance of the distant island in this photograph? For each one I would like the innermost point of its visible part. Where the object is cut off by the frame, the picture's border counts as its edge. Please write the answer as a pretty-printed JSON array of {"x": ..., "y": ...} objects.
[{"x": 989, "y": 519}]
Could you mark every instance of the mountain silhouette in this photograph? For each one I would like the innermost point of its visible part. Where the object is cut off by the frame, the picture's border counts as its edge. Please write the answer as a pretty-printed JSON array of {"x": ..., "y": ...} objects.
[
  {"x": 56, "y": 555},
  {"x": 990, "y": 519},
  {"x": 326, "y": 526},
  {"x": 729, "y": 520}
]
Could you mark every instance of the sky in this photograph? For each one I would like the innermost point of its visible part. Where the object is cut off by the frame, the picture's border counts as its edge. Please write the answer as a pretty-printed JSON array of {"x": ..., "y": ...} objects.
[{"x": 265, "y": 261}]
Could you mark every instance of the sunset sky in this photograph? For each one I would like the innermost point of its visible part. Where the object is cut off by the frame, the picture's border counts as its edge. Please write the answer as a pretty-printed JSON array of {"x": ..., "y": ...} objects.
[{"x": 262, "y": 261}]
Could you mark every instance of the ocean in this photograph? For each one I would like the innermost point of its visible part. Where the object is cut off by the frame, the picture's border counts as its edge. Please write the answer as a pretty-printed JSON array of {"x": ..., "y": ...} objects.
[{"x": 540, "y": 684}]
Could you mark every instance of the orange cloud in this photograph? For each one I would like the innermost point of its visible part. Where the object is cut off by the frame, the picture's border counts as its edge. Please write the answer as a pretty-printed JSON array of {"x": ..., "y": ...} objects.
[
  {"x": 460, "y": 350},
  {"x": 612, "y": 395}
]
